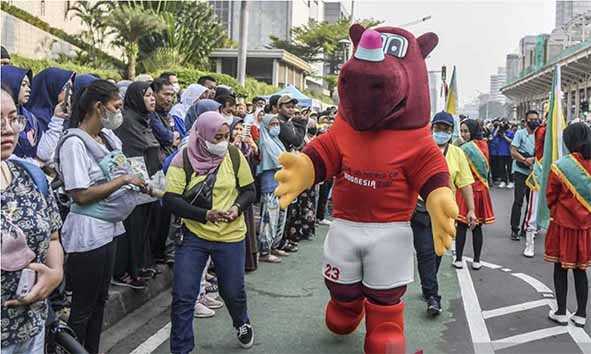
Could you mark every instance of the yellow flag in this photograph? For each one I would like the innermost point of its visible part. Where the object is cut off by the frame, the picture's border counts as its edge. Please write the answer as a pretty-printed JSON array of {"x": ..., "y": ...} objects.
[{"x": 451, "y": 101}]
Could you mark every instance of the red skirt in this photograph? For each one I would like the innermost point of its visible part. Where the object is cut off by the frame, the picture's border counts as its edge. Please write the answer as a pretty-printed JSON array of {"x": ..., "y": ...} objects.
[
  {"x": 482, "y": 207},
  {"x": 569, "y": 247}
]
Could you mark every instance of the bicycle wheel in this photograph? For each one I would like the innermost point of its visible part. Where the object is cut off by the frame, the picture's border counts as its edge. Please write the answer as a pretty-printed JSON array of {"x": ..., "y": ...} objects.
[{"x": 66, "y": 344}]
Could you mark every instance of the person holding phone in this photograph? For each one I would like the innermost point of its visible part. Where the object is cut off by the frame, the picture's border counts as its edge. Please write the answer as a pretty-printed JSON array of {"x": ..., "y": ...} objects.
[{"x": 30, "y": 223}]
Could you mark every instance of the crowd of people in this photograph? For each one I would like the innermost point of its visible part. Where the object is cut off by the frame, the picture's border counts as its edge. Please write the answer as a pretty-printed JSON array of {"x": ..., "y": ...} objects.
[
  {"x": 145, "y": 173},
  {"x": 121, "y": 156}
]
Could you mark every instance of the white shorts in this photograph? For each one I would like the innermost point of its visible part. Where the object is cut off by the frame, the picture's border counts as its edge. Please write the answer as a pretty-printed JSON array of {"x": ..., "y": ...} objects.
[{"x": 380, "y": 255}]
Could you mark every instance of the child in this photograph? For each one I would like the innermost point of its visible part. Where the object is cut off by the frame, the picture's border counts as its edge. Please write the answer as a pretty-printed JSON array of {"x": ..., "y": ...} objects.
[
  {"x": 476, "y": 150},
  {"x": 568, "y": 240}
]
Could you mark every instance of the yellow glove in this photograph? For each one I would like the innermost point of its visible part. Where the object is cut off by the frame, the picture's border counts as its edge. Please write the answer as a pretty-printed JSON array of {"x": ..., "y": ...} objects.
[
  {"x": 296, "y": 176},
  {"x": 443, "y": 210}
]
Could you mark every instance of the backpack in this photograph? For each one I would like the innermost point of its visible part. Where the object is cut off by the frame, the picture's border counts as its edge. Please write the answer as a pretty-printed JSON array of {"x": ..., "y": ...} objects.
[{"x": 37, "y": 175}]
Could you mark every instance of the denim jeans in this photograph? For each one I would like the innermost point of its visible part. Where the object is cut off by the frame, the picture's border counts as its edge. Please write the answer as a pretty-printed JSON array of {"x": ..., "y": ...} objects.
[
  {"x": 428, "y": 261},
  {"x": 190, "y": 260},
  {"x": 35, "y": 345}
]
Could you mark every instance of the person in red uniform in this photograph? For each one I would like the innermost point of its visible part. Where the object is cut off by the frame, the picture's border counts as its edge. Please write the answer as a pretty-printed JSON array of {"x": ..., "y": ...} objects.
[
  {"x": 568, "y": 240},
  {"x": 382, "y": 155},
  {"x": 476, "y": 150}
]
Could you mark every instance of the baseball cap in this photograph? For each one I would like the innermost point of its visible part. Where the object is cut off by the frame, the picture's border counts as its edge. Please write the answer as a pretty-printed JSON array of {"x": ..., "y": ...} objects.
[
  {"x": 443, "y": 118},
  {"x": 286, "y": 99}
]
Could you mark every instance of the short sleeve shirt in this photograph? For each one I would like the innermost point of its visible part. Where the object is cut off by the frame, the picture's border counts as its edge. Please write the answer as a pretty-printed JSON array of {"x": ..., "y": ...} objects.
[
  {"x": 524, "y": 142},
  {"x": 225, "y": 193},
  {"x": 38, "y": 217},
  {"x": 459, "y": 168},
  {"x": 83, "y": 233}
]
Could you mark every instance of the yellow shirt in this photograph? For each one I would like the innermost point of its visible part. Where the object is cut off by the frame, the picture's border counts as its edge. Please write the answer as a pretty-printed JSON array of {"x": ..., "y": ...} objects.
[
  {"x": 459, "y": 169},
  {"x": 224, "y": 196}
]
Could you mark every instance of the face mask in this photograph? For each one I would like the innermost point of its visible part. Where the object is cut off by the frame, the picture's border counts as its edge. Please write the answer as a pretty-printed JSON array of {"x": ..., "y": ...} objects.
[
  {"x": 218, "y": 149},
  {"x": 176, "y": 88},
  {"x": 441, "y": 138},
  {"x": 533, "y": 124},
  {"x": 274, "y": 131},
  {"x": 112, "y": 120},
  {"x": 229, "y": 119}
]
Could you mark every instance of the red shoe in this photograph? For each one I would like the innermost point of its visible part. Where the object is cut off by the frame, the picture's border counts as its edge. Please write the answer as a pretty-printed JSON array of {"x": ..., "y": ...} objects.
[
  {"x": 343, "y": 317},
  {"x": 384, "y": 329}
]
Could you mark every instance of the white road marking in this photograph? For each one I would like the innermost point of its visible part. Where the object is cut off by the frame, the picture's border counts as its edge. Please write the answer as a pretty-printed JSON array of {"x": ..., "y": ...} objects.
[
  {"x": 478, "y": 330},
  {"x": 528, "y": 337},
  {"x": 579, "y": 335},
  {"x": 535, "y": 283},
  {"x": 506, "y": 270},
  {"x": 154, "y": 341},
  {"x": 485, "y": 264},
  {"x": 514, "y": 308}
]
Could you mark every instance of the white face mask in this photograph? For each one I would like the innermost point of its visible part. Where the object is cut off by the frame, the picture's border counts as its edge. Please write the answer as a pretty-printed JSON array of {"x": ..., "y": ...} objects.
[
  {"x": 112, "y": 120},
  {"x": 218, "y": 149}
]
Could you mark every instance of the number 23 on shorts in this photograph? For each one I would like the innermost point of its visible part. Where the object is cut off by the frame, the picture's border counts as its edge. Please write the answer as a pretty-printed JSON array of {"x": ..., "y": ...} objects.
[{"x": 331, "y": 272}]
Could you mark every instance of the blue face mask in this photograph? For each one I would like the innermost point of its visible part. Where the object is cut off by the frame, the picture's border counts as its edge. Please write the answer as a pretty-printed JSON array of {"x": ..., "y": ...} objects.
[
  {"x": 274, "y": 131},
  {"x": 441, "y": 138}
]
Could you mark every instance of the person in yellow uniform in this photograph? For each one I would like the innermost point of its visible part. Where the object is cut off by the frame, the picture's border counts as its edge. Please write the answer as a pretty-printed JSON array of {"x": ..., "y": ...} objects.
[
  {"x": 461, "y": 179},
  {"x": 208, "y": 185}
]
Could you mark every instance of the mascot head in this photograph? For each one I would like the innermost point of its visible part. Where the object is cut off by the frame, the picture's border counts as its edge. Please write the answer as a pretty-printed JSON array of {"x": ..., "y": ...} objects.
[{"x": 385, "y": 85}]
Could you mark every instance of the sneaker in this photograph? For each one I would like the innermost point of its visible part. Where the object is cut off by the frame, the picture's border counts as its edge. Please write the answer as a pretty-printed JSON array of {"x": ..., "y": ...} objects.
[
  {"x": 578, "y": 320},
  {"x": 529, "y": 245},
  {"x": 476, "y": 265},
  {"x": 269, "y": 258},
  {"x": 211, "y": 288},
  {"x": 128, "y": 281},
  {"x": 514, "y": 236},
  {"x": 433, "y": 306},
  {"x": 458, "y": 264},
  {"x": 502, "y": 185},
  {"x": 510, "y": 185},
  {"x": 245, "y": 335},
  {"x": 290, "y": 247},
  {"x": 325, "y": 222},
  {"x": 202, "y": 311},
  {"x": 211, "y": 302},
  {"x": 147, "y": 273},
  {"x": 560, "y": 319},
  {"x": 211, "y": 278},
  {"x": 278, "y": 252}
]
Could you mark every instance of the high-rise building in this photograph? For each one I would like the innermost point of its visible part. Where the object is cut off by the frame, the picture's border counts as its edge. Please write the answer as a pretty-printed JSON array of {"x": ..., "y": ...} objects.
[
  {"x": 497, "y": 81},
  {"x": 336, "y": 10},
  {"x": 512, "y": 67},
  {"x": 567, "y": 10},
  {"x": 434, "y": 87}
]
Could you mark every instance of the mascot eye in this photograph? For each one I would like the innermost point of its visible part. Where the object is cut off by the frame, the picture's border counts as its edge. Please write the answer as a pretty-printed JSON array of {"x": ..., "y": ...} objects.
[{"x": 394, "y": 45}]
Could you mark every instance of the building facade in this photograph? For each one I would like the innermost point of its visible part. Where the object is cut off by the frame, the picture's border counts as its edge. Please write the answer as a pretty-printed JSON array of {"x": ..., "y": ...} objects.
[
  {"x": 497, "y": 81},
  {"x": 567, "y": 10}
]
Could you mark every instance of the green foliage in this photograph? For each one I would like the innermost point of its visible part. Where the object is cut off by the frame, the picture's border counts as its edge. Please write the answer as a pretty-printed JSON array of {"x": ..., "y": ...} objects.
[
  {"x": 36, "y": 65},
  {"x": 32, "y": 20},
  {"x": 92, "y": 15},
  {"x": 191, "y": 31}
]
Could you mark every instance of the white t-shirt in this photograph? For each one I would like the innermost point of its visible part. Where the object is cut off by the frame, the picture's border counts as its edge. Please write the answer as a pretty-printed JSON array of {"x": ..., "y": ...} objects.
[{"x": 81, "y": 233}]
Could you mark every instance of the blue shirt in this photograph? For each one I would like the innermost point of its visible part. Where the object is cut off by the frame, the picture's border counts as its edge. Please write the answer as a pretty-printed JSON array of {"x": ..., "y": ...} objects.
[
  {"x": 503, "y": 146},
  {"x": 268, "y": 183},
  {"x": 524, "y": 142}
]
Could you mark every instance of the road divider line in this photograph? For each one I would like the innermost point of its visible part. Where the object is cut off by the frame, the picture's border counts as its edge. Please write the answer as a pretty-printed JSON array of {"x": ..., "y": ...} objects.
[
  {"x": 529, "y": 337},
  {"x": 535, "y": 283},
  {"x": 501, "y": 311},
  {"x": 485, "y": 264},
  {"x": 473, "y": 311},
  {"x": 154, "y": 341}
]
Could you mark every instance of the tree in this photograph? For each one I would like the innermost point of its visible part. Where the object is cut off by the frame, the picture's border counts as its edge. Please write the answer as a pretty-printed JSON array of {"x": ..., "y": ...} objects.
[
  {"x": 92, "y": 15},
  {"x": 191, "y": 32},
  {"x": 129, "y": 25}
]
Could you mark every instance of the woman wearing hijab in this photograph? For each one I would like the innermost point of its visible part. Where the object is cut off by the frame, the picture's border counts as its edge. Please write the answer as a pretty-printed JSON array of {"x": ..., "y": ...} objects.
[
  {"x": 209, "y": 185},
  {"x": 197, "y": 109},
  {"x": 189, "y": 96},
  {"x": 244, "y": 142},
  {"x": 48, "y": 89},
  {"x": 138, "y": 142},
  {"x": 476, "y": 150},
  {"x": 273, "y": 218},
  {"x": 19, "y": 82}
]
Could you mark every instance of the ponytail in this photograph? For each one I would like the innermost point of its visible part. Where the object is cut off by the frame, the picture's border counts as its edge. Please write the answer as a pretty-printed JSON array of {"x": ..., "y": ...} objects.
[{"x": 83, "y": 101}]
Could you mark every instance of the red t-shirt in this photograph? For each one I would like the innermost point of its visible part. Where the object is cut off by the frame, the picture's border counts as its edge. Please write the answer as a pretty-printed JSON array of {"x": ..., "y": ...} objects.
[
  {"x": 378, "y": 173},
  {"x": 539, "y": 136}
]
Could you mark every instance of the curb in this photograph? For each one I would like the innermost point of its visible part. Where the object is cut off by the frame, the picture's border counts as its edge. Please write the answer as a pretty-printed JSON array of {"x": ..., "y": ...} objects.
[{"x": 123, "y": 301}]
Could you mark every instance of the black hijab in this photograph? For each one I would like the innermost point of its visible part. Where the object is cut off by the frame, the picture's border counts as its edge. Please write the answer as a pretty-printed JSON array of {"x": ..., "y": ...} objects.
[
  {"x": 577, "y": 138},
  {"x": 134, "y": 97},
  {"x": 475, "y": 128}
]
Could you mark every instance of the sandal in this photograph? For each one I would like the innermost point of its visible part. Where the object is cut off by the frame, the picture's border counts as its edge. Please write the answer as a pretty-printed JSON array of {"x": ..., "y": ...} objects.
[
  {"x": 270, "y": 259},
  {"x": 290, "y": 247}
]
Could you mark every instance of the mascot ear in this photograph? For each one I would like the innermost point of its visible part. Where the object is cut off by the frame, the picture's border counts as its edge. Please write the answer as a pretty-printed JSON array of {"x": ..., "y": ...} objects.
[
  {"x": 355, "y": 33},
  {"x": 427, "y": 42}
]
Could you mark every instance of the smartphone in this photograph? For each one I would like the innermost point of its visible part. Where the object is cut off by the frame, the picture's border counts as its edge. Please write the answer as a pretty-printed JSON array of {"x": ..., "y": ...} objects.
[
  {"x": 67, "y": 97},
  {"x": 246, "y": 130},
  {"x": 26, "y": 283}
]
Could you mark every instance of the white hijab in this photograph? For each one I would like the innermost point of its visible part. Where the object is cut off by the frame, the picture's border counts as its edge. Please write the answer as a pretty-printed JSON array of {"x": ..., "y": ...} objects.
[{"x": 188, "y": 97}]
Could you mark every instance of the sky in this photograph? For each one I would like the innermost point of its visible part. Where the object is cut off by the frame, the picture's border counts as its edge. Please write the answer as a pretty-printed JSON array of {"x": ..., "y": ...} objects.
[{"x": 475, "y": 36}]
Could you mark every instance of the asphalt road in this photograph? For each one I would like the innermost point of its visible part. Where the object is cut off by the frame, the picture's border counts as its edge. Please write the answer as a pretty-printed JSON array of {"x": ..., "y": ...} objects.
[{"x": 506, "y": 303}]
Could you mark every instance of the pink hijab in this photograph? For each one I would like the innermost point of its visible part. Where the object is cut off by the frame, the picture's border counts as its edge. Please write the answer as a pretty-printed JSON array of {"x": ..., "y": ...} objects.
[{"x": 204, "y": 129}]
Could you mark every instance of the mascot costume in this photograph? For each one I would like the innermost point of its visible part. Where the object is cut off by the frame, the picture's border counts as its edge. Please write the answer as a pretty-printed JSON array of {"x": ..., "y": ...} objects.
[{"x": 382, "y": 154}]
